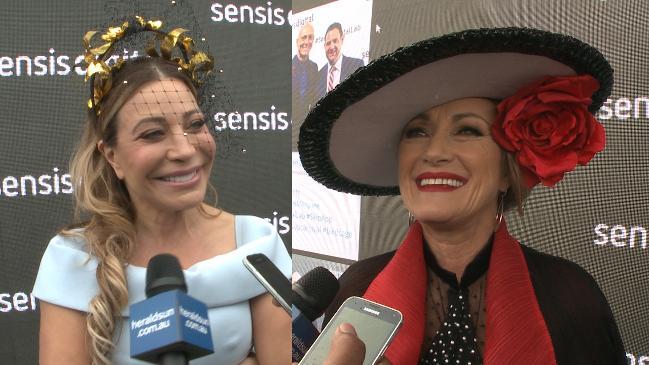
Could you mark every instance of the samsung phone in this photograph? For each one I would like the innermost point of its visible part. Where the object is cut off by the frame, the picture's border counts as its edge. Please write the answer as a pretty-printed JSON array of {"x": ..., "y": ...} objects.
[
  {"x": 271, "y": 278},
  {"x": 375, "y": 324}
]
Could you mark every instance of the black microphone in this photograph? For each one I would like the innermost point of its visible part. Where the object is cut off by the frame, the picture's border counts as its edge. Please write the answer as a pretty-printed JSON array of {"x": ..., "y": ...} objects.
[
  {"x": 164, "y": 274},
  {"x": 312, "y": 294},
  {"x": 169, "y": 327}
]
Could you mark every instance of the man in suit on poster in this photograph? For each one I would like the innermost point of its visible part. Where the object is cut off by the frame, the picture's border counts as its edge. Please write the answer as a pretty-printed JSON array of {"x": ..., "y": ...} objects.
[
  {"x": 338, "y": 66},
  {"x": 304, "y": 74}
]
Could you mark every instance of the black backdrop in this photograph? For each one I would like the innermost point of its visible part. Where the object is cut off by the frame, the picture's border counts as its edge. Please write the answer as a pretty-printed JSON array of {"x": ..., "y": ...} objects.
[{"x": 42, "y": 109}]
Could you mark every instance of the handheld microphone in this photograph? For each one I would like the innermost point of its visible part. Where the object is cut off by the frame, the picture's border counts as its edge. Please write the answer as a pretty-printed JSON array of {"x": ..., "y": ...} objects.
[
  {"x": 169, "y": 327},
  {"x": 312, "y": 294}
]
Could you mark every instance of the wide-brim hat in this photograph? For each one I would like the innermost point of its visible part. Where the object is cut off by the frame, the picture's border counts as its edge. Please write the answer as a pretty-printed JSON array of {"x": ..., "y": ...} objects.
[{"x": 349, "y": 140}]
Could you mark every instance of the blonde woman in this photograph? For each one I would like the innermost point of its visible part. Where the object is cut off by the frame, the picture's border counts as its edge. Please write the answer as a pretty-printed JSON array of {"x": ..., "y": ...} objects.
[{"x": 141, "y": 172}]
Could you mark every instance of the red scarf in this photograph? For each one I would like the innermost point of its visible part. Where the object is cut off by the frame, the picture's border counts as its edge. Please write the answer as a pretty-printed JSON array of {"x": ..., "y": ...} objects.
[{"x": 516, "y": 331}]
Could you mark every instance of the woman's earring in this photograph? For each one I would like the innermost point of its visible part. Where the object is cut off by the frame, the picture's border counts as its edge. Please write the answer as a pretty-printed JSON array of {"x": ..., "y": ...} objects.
[
  {"x": 411, "y": 219},
  {"x": 500, "y": 212}
]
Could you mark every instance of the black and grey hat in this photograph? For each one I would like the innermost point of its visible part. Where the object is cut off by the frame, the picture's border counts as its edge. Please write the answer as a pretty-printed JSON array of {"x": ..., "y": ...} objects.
[{"x": 349, "y": 141}]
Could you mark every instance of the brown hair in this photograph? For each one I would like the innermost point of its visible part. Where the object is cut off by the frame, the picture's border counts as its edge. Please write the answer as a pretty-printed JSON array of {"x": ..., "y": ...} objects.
[
  {"x": 104, "y": 200},
  {"x": 518, "y": 191}
]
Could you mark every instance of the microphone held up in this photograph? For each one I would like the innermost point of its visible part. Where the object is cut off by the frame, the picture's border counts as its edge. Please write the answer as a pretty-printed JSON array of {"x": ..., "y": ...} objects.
[
  {"x": 169, "y": 327},
  {"x": 312, "y": 294}
]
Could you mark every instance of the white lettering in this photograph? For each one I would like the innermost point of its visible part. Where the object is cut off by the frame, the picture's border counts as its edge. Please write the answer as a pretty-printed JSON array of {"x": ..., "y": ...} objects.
[
  {"x": 20, "y": 301},
  {"x": 273, "y": 120},
  {"x": 5, "y": 304},
  {"x": 152, "y": 318},
  {"x": 30, "y": 185},
  {"x": 599, "y": 232},
  {"x": 193, "y": 316},
  {"x": 153, "y": 328},
  {"x": 632, "y": 237},
  {"x": 195, "y": 326},
  {"x": 621, "y": 236},
  {"x": 622, "y": 108},
  {"x": 50, "y": 64},
  {"x": 281, "y": 223},
  {"x": 246, "y": 14},
  {"x": 618, "y": 232},
  {"x": 6, "y": 66},
  {"x": 637, "y": 359},
  {"x": 625, "y": 108}
]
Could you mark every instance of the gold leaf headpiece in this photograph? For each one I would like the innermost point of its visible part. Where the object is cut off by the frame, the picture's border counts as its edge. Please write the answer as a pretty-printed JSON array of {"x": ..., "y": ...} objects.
[{"x": 100, "y": 73}]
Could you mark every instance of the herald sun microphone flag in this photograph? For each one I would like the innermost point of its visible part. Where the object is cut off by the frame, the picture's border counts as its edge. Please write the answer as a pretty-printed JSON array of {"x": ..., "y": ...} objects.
[
  {"x": 169, "y": 326},
  {"x": 312, "y": 294}
]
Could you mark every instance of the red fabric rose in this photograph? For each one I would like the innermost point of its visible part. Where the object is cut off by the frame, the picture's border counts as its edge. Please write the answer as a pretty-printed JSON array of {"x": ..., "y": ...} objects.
[{"x": 548, "y": 127}]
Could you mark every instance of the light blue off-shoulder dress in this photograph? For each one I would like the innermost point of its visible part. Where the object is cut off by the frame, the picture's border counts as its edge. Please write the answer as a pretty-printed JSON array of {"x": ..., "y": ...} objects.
[{"x": 67, "y": 278}]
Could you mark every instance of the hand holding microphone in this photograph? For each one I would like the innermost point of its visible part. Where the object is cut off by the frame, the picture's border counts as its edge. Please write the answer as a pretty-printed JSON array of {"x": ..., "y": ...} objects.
[
  {"x": 312, "y": 294},
  {"x": 169, "y": 327}
]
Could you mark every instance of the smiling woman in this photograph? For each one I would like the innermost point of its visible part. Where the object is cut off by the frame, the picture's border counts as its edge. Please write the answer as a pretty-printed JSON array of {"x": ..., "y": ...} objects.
[
  {"x": 165, "y": 152},
  {"x": 141, "y": 173},
  {"x": 454, "y": 139},
  {"x": 469, "y": 292}
]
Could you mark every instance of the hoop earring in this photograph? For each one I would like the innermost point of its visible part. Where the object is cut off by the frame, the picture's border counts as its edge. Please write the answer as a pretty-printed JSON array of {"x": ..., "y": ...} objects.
[
  {"x": 500, "y": 212},
  {"x": 411, "y": 219}
]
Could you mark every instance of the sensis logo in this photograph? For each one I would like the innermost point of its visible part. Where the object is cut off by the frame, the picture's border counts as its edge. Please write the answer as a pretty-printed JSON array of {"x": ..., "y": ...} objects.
[
  {"x": 624, "y": 108},
  {"x": 636, "y": 359},
  {"x": 268, "y": 120},
  {"x": 265, "y": 14},
  {"x": 52, "y": 183},
  {"x": 18, "y": 302},
  {"x": 52, "y": 64},
  {"x": 282, "y": 223},
  {"x": 619, "y": 236}
]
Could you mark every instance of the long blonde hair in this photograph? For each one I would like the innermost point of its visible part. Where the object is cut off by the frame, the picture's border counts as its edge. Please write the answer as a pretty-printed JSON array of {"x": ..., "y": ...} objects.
[{"x": 104, "y": 205}]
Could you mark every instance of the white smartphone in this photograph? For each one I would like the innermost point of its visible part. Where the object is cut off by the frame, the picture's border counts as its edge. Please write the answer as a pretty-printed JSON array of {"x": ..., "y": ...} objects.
[
  {"x": 375, "y": 324},
  {"x": 271, "y": 278}
]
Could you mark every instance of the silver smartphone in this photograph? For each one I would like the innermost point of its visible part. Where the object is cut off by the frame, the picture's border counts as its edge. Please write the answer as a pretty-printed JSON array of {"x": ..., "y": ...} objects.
[
  {"x": 375, "y": 324},
  {"x": 271, "y": 278}
]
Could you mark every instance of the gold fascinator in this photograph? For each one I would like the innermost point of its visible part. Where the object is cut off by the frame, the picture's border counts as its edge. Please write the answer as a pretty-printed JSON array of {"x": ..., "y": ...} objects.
[{"x": 99, "y": 46}]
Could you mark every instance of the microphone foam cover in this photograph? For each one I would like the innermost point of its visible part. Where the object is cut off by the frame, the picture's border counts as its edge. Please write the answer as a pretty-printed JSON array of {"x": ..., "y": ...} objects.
[
  {"x": 313, "y": 293},
  {"x": 163, "y": 274}
]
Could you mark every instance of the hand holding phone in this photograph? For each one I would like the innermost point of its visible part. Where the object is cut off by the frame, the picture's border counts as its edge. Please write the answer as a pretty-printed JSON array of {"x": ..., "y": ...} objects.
[
  {"x": 375, "y": 324},
  {"x": 346, "y": 347}
]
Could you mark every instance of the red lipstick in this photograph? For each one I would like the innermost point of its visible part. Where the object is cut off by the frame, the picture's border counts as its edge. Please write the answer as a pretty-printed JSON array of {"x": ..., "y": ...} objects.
[{"x": 424, "y": 183}]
